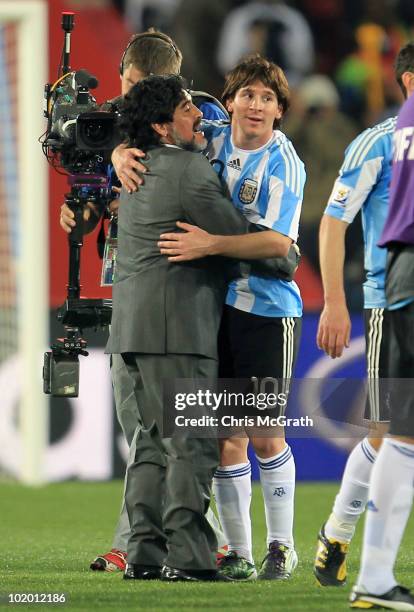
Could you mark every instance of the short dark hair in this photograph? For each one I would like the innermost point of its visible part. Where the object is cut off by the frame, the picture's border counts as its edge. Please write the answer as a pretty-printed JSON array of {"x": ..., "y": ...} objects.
[
  {"x": 257, "y": 68},
  {"x": 404, "y": 63},
  {"x": 152, "y": 52},
  {"x": 152, "y": 100}
]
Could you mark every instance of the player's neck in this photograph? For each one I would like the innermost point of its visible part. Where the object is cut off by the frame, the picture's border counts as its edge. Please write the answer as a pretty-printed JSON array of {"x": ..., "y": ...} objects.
[{"x": 249, "y": 142}]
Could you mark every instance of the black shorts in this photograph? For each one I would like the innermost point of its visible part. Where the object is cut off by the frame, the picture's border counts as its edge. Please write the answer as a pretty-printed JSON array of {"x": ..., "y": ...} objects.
[
  {"x": 254, "y": 346},
  {"x": 402, "y": 371},
  {"x": 377, "y": 338}
]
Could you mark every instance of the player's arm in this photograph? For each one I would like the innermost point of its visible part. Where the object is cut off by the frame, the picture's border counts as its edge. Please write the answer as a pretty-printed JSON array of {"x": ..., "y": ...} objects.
[
  {"x": 334, "y": 324},
  {"x": 279, "y": 224},
  {"x": 363, "y": 158},
  {"x": 219, "y": 225},
  {"x": 276, "y": 228},
  {"x": 127, "y": 166},
  {"x": 195, "y": 243}
]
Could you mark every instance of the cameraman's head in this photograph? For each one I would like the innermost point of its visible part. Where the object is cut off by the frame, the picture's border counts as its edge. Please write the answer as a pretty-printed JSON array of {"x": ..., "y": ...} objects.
[
  {"x": 150, "y": 52},
  {"x": 158, "y": 110}
]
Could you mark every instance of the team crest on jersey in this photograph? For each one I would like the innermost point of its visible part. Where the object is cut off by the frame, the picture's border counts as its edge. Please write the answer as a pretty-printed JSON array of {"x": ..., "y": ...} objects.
[
  {"x": 341, "y": 195},
  {"x": 248, "y": 191}
]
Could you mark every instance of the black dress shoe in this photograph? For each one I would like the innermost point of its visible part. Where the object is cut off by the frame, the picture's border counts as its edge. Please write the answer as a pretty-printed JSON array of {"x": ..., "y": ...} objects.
[
  {"x": 141, "y": 572},
  {"x": 172, "y": 574}
]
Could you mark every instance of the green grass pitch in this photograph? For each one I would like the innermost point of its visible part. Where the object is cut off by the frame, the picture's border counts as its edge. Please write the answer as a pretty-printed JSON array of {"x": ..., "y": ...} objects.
[{"x": 49, "y": 536}]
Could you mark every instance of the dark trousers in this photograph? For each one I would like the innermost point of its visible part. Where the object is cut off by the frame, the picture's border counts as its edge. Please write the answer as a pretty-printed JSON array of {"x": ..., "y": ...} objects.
[
  {"x": 127, "y": 413},
  {"x": 168, "y": 484},
  {"x": 401, "y": 368}
]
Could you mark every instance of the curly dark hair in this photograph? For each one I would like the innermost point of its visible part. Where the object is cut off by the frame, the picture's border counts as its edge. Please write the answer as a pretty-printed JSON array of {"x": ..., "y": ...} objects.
[{"x": 152, "y": 100}]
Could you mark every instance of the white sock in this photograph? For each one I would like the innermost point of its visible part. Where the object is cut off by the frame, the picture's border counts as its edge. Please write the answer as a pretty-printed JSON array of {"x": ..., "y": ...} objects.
[
  {"x": 232, "y": 488},
  {"x": 353, "y": 495},
  {"x": 388, "y": 509},
  {"x": 277, "y": 477}
]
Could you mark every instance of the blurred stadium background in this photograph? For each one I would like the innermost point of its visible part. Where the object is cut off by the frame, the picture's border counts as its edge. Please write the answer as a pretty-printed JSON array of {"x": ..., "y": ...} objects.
[{"x": 338, "y": 55}]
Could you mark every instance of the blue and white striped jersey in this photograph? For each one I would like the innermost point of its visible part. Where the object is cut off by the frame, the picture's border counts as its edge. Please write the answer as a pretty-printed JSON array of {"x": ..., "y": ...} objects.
[
  {"x": 266, "y": 185},
  {"x": 364, "y": 184}
]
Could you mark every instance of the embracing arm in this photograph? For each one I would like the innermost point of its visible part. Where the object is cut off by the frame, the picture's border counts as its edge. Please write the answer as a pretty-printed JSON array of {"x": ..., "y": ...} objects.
[
  {"x": 221, "y": 229},
  {"x": 196, "y": 243},
  {"x": 127, "y": 166},
  {"x": 267, "y": 243}
]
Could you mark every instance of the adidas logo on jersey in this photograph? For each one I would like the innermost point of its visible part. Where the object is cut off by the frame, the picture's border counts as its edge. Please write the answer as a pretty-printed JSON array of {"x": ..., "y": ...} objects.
[{"x": 235, "y": 164}]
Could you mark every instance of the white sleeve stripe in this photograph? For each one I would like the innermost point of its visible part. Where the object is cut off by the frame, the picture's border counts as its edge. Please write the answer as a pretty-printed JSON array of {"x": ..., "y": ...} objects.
[
  {"x": 362, "y": 145},
  {"x": 369, "y": 146},
  {"x": 296, "y": 165},
  {"x": 292, "y": 183},
  {"x": 361, "y": 150},
  {"x": 366, "y": 181},
  {"x": 292, "y": 168},
  {"x": 287, "y": 167},
  {"x": 354, "y": 147}
]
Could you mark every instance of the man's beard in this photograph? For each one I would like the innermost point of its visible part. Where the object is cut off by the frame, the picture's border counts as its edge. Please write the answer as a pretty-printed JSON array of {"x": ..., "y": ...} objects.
[{"x": 188, "y": 145}]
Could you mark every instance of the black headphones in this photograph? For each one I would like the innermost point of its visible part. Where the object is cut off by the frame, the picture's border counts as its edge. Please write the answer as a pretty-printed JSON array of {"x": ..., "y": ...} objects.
[{"x": 136, "y": 37}]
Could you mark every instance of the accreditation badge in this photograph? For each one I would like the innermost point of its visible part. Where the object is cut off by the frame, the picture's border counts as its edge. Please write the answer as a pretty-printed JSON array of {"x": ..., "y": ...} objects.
[{"x": 110, "y": 253}]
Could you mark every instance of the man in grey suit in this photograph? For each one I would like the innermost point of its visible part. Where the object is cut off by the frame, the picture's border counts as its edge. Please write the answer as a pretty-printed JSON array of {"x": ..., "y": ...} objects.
[
  {"x": 165, "y": 323},
  {"x": 150, "y": 52}
]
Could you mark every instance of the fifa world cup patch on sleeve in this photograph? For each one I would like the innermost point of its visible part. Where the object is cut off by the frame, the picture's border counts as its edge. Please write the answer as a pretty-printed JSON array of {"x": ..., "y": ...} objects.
[
  {"x": 341, "y": 194},
  {"x": 248, "y": 190}
]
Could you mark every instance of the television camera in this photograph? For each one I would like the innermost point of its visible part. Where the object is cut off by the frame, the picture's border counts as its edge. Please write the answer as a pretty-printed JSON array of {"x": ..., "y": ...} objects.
[{"x": 78, "y": 141}]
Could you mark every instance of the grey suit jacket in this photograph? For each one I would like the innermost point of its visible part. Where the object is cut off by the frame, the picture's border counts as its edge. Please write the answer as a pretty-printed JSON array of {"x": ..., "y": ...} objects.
[{"x": 158, "y": 306}]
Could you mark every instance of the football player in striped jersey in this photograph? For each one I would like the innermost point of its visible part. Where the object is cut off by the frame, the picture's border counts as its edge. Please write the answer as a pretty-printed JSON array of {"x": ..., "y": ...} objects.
[
  {"x": 261, "y": 324},
  {"x": 363, "y": 185}
]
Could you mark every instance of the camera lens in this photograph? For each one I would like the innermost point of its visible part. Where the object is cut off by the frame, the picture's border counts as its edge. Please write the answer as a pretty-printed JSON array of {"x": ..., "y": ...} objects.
[{"x": 95, "y": 131}]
